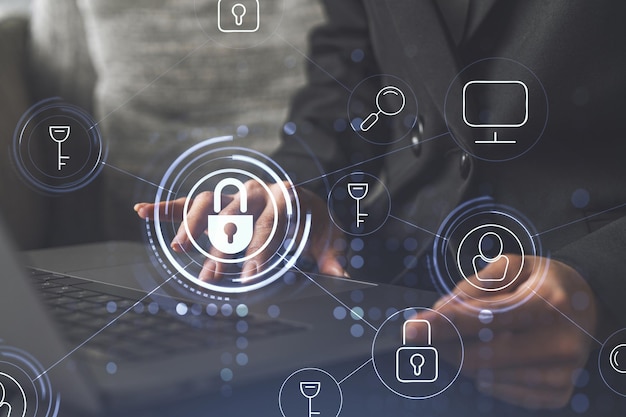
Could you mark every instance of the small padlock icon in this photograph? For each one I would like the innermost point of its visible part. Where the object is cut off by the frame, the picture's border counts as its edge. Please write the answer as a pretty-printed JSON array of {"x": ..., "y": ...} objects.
[
  {"x": 417, "y": 363},
  {"x": 238, "y": 16},
  {"x": 239, "y": 235}
]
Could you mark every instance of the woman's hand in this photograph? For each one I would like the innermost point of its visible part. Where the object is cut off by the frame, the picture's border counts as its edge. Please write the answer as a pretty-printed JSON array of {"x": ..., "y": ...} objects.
[{"x": 322, "y": 236}]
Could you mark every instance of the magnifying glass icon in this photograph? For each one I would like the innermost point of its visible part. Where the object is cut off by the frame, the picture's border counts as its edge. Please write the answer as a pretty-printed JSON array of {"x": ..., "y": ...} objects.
[{"x": 390, "y": 106}]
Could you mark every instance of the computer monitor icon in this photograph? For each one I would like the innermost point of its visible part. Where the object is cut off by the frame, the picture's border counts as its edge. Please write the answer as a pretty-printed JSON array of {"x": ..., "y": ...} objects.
[{"x": 479, "y": 106}]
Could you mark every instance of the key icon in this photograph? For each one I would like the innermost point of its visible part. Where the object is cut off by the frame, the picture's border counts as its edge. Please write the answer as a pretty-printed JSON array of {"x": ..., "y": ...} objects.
[
  {"x": 358, "y": 191},
  {"x": 60, "y": 134}
]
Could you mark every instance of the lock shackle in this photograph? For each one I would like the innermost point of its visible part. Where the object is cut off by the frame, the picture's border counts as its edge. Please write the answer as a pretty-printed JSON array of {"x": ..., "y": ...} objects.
[
  {"x": 219, "y": 188},
  {"x": 426, "y": 322}
]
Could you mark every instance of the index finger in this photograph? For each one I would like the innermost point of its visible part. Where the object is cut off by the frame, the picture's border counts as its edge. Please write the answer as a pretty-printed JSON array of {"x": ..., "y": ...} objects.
[
  {"x": 169, "y": 210},
  {"x": 468, "y": 321}
]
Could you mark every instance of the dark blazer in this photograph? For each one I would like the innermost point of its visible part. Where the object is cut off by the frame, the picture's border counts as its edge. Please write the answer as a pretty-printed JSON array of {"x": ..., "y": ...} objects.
[{"x": 574, "y": 47}]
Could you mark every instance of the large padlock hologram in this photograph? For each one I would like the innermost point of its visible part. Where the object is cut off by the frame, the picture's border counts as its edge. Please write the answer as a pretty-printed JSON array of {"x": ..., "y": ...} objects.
[{"x": 230, "y": 233}]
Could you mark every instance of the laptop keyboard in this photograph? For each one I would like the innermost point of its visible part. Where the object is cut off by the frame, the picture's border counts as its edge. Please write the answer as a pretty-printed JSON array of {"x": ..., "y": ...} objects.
[{"x": 147, "y": 330}]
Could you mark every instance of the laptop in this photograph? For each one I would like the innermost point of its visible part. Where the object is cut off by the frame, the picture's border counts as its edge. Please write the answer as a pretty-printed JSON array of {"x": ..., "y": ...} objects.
[{"x": 92, "y": 331}]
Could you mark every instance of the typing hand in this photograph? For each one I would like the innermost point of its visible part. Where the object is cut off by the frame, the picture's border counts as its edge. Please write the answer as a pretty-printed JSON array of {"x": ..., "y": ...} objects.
[
  {"x": 530, "y": 354},
  {"x": 320, "y": 246}
]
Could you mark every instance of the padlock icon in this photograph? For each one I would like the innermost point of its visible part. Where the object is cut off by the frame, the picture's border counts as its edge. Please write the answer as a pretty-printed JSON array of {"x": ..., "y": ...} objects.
[
  {"x": 237, "y": 237},
  {"x": 417, "y": 363},
  {"x": 238, "y": 16}
]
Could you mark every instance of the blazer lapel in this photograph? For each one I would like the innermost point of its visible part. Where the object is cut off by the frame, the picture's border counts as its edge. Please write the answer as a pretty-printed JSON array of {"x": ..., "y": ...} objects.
[
  {"x": 420, "y": 28},
  {"x": 477, "y": 12}
]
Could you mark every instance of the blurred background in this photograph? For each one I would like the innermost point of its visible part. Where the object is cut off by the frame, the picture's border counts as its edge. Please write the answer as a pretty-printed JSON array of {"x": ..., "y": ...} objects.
[
  {"x": 155, "y": 80},
  {"x": 13, "y": 5}
]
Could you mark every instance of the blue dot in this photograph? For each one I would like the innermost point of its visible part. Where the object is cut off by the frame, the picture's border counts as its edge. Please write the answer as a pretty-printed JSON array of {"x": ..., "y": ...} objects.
[
  {"x": 289, "y": 278},
  {"x": 139, "y": 308},
  {"x": 273, "y": 311},
  {"x": 410, "y": 244},
  {"x": 390, "y": 312},
  {"x": 242, "y": 342},
  {"x": 339, "y": 313},
  {"x": 356, "y": 330},
  {"x": 226, "y": 375},
  {"x": 485, "y": 335},
  {"x": 340, "y": 125},
  {"x": 357, "y": 296},
  {"x": 357, "y": 313},
  {"x": 211, "y": 309},
  {"x": 357, "y": 55},
  {"x": 357, "y": 261},
  {"x": 580, "y": 403},
  {"x": 227, "y": 310},
  {"x": 196, "y": 309},
  {"x": 111, "y": 368},
  {"x": 153, "y": 308},
  {"x": 242, "y": 310},
  {"x": 181, "y": 309},
  {"x": 242, "y": 131},
  {"x": 357, "y": 244},
  {"x": 289, "y": 128},
  {"x": 410, "y": 261},
  {"x": 356, "y": 124},
  {"x": 580, "y": 198},
  {"x": 111, "y": 307},
  {"x": 242, "y": 359},
  {"x": 242, "y": 326},
  {"x": 409, "y": 313},
  {"x": 485, "y": 316}
]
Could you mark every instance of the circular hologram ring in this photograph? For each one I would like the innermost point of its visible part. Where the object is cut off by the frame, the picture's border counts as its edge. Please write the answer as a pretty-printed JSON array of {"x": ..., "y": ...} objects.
[
  {"x": 612, "y": 362},
  {"x": 382, "y": 109},
  {"x": 484, "y": 244},
  {"x": 496, "y": 109},
  {"x": 223, "y": 235},
  {"x": 310, "y": 392},
  {"x": 57, "y": 147},
  {"x": 25, "y": 389},
  {"x": 488, "y": 246},
  {"x": 359, "y": 204},
  {"x": 406, "y": 356}
]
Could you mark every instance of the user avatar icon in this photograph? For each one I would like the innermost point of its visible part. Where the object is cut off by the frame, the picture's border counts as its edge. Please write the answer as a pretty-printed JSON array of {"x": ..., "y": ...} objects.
[
  {"x": 5, "y": 407},
  {"x": 617, "y": 366},
  {"x": 489, "y": 241}
]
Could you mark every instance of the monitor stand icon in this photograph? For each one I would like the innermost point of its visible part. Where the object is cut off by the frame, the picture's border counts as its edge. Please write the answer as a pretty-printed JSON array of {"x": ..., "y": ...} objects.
[{"x": 497, "y": 92}]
